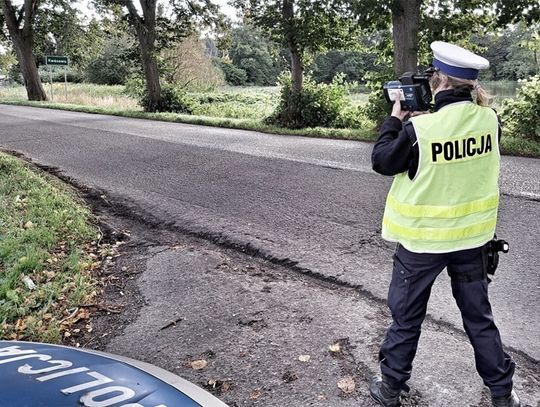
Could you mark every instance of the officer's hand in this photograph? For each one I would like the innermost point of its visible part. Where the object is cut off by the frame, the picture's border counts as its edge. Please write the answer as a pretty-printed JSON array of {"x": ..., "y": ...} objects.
[
  {"x": 414, "y": 114},
  {"x": 397, "y": 112}
]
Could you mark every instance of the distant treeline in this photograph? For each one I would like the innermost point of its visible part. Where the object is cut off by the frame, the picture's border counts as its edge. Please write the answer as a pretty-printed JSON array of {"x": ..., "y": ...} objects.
[{"x": 252, "y": 59}]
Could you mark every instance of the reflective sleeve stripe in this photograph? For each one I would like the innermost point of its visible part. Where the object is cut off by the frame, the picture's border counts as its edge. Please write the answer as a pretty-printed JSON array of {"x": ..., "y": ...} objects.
[
  {"x": 432, "y": 211},
  {"x": 440, "y": 234}
]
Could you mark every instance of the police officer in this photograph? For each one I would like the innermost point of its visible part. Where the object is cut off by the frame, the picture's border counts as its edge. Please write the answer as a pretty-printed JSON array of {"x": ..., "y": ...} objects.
[{"x": 442, "y": 211}]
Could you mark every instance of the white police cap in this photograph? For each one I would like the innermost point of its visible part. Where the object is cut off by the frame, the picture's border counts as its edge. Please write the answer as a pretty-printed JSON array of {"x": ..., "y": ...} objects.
[{"x": 456, "y": 61}]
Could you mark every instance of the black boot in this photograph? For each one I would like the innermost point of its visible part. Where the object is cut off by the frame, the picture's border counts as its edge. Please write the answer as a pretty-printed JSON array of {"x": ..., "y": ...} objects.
[
  {"x": 512, "y": 400},
  {"x": 384, "y": 394}
]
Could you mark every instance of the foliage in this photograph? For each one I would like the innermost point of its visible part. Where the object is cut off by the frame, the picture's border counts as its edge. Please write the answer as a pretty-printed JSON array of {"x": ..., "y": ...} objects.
[
  {"x": 521, "y": 115},
  {"x": 58, "y": 76},
  {"x": 316, "y": 25},
  {"x": 134, "y": 86},
  {"x": 159, "y": 26},
  {"x": 233, "y": 75},
  {"x": 251, "y": 52},
  {"x": 353, "y": 64},
  {"x": 7, "y": 60},
  {"x": 59, "y": 30},
  {"x": 319, "y": 104},
  {"x": 173, "y": 99},
  {"x": 512, "y": 53},
  {"x": 14, "y": 74},
  {"x": 188, "y": 67},
  {"x": 112, "y": 66}
]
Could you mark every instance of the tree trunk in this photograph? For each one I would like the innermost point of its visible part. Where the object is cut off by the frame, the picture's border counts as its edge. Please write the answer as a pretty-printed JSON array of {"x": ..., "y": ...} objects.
[
  {"x": 297, "y": 71},
  {"x": 406, "y": 21},
  {"x": 146, "y": 32},
  {"x": 151, "y": 72},
  {"x": 27, "y": 62},
  {"x": 297, "y": 66},
  {"x": 23, "y": 42}
]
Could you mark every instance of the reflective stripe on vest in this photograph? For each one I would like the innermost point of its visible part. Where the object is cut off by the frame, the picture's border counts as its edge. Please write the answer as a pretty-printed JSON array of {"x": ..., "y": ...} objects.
[{"x": 452, "y": 203}]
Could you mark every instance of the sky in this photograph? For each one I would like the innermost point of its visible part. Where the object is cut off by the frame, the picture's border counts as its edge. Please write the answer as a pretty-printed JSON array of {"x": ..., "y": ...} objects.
[
  {"x": 228, "y": 10},
  {"x": 83, "y": 6}
]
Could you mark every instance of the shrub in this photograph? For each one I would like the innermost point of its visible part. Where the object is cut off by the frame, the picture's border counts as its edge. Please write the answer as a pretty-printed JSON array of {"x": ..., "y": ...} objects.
[
  {"x": 233, "y": 75},
  {"x": 58, "y": 76},
  {"x": 377, "y": 108},
  {"x": 114, "y": 64},
  {"x": 521, "y": 116},
  {"x": 135, "y": 86},
  {"x": 318, "y": 105},
  {"x": 187, "y": 65},
  {"x": 172, "y": 100}
]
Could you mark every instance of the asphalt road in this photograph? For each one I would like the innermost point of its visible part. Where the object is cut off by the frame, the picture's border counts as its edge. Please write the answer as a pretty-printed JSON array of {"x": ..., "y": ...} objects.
[{"x": 315, "y": 203}]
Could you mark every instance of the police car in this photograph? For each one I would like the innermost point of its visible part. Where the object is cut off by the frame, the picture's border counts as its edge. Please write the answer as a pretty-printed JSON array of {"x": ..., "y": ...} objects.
[{"x": 44, "y": 375}]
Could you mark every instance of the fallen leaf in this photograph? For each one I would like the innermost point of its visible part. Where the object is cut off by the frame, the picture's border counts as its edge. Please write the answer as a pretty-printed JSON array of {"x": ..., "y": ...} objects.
[
  {"x": 335, "y": 348},
  {"x": 49, "y": 274},
  {"x": 304, "y": 358},
  {"x": 256, "y": 394},
  {"x": 199, "y": 364},
  {"x": 347, "y": 385}
]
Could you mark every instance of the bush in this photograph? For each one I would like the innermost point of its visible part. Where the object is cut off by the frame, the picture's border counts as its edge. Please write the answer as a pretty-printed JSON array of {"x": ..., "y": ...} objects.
[
  {"x": 318, "y": 105},
  {"x": 135, "y": 87},
  {"x": 114, "y": 64},
  {"x": 377, "y": 108},
  {"x": 58, "y": 76},
  {"x": 233, "y": 75},
  {"x": 187, "y": 65},
  {"x": 521, "y": 116},
  {"x": 172, "y": 100}
]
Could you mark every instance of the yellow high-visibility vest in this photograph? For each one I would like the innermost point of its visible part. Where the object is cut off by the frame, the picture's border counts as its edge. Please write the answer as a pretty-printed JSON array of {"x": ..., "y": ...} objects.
[{"x": 452, "y": 202}]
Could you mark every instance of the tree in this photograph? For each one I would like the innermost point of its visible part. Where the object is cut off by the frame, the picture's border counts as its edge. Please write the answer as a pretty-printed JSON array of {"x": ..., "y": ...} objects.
[
  {"x": 59, "y": 30},
  {"x": 303, "y": 27},
  {"x": 20, "y": 24},
  {"x": 254, "y": 54},
  {"x": 113, "y": 65},
  {"x": 354, "y": 64},
  {"x": 416, "y": 23},
  {"x": 512, "y": 53},
  {"x": 405, "y": 26},
  {"x": 187, "y": 65},
  {"x": 158, "y": 27}
]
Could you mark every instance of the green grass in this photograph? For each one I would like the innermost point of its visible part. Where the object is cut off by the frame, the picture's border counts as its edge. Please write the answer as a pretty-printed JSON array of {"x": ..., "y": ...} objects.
[
  {"x": 520, "y": 147},
  {"x": 224, "y": 122},
  {"x": 78, "y": 94},
  {"x": 45, "y": 233},
  {"x": 230, "y": 107}
]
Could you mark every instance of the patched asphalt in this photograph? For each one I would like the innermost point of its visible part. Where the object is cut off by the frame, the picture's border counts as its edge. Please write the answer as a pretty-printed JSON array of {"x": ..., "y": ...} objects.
[{"x": 315, "y": 217}]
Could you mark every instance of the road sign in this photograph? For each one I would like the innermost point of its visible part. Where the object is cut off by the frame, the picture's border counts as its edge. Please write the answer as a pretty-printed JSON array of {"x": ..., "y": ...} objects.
[
  {"x": 43, "y": 375},
  {"x": 56, "y": 60}
]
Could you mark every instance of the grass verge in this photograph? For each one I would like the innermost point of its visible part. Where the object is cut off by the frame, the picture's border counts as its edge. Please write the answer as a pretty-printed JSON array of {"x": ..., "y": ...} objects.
[
  {"x": 231, "y": 123},
  {"x": 47, "y": 254}
]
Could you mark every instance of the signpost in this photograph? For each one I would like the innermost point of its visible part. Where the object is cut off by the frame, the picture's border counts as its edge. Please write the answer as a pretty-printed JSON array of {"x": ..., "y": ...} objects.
[{"x": 56, "y": 60}]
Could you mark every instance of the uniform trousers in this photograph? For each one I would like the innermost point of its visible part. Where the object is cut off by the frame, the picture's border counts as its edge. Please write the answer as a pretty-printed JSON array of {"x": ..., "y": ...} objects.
[{"x": 412, "y": 278}]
